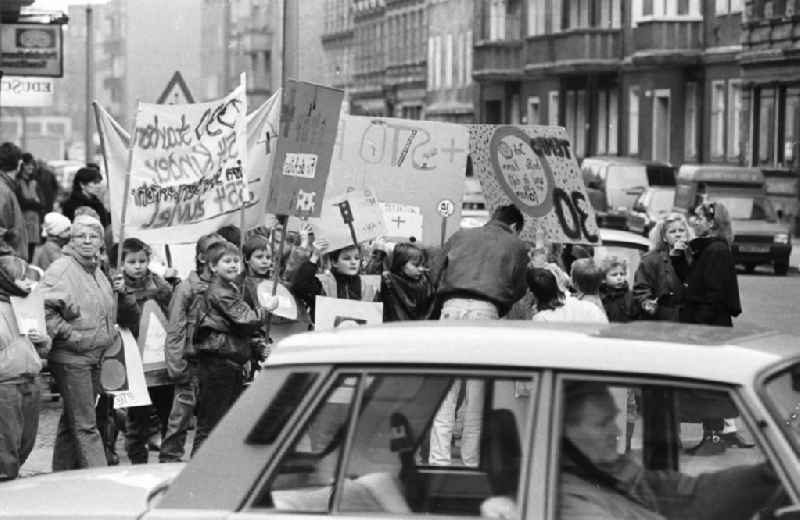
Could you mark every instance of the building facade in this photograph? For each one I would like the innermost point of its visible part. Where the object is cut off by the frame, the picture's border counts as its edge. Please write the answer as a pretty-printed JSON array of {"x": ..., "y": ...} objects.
[
  {"x": 654, "y": 79},
  {"x": 450, "y": 88}
]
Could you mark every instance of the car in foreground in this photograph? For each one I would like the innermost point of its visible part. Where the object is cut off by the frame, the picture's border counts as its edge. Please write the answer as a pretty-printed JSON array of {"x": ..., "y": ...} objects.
[{"x": 341, "y": 424}]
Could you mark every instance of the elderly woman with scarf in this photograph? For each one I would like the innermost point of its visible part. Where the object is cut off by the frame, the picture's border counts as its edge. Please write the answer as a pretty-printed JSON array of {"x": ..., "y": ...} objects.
[
  {"x": 79, "y": 341},
  {"x": 20, "y": 353}
]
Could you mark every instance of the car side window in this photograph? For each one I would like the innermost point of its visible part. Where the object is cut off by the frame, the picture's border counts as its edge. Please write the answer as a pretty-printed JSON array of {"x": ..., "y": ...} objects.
[{"x": 658, "y": 451}]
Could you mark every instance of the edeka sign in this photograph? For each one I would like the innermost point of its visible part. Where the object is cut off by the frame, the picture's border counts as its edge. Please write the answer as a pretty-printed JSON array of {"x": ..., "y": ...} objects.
[
  {"x": 406, "y": 162},
  {"x": 309, "y": 118},
  {"x": 31, "y": 50},
  {"x": 16, "y": 91},
  {"x": 187, "y": 169},
  {"x": 534, "y": 168}
]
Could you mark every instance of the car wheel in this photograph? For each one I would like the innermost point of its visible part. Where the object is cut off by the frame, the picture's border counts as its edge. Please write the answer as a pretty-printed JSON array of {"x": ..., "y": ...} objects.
[
  {"x": 749, "y": 268},
  {"x": 781, "y": 268}
]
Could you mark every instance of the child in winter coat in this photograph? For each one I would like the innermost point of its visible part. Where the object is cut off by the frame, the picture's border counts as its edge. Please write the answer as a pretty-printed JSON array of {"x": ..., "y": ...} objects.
[
  {"x": 615, "y": 293},
  {"x": 179, "y": 329},
  {"x": 407, "y": 290},
  {"x": 227, "y": 338},
  {"x": 342, "y": 281},
  {"x": 141, "y": 286}
]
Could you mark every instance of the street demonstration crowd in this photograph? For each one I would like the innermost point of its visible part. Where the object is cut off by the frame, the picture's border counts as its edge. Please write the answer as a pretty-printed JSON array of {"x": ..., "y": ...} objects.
[{"x": 219, "y": 332}]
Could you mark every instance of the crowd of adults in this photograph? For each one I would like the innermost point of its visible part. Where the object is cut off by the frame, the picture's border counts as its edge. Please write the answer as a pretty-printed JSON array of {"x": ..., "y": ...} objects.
[{"x": 485, "y": 273}]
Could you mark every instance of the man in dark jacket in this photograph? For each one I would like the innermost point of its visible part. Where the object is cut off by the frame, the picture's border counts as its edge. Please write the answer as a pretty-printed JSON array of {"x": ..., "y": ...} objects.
[
  {"x": 10, "y": 211},
  {"x": 481, "y": 274}
]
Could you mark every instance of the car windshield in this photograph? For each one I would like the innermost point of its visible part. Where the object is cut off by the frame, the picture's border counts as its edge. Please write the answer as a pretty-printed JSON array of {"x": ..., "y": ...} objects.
[
  {"x": 783, "y": 398},
  {"x": 746, "y": 207},
  {"x": 662, "y": 200}
]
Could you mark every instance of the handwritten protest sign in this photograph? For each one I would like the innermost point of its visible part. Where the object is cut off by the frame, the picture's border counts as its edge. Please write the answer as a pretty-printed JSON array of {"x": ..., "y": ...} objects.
[
  {"x": 414, "y": 163},
  {"x": 29, "y": 312},
  {"x": 367, "y": 219},
  {"x": 402, "y": 221},
  {"x": 212, "y": 212},
  {"x": 309, "y": 118},
  {"x": 333, "y": 313},
  {"x": 136, "y": 393},
  {"x": 534, "y": 168}
]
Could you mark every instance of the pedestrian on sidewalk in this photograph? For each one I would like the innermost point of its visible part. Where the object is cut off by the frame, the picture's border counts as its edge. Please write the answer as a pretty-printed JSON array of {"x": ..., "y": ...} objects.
[
  {"x": 480, "y": 274},
  {"x": 30, "y": 197},
  {"x": 10, "y": 212},
  {"x": 21, "y": 353}
]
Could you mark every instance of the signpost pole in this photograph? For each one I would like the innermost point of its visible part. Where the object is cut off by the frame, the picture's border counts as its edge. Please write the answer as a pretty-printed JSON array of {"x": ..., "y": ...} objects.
[
  {"x": 276, "y": 272},
  {"x": 445, "y": 208},
  {"x": 444, "y": 229}
]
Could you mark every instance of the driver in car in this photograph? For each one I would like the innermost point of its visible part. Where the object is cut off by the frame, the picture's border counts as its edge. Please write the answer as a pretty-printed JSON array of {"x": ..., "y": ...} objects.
[{"x": 598, "y": 483}]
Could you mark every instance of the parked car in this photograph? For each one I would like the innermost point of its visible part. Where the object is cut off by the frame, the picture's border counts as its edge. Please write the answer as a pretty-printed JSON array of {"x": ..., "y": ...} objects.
[
  {"x": 758, "y": 235},
  {"x": 474, "y": 212},
  {"x": 613, "y": 184},
  {"x": 650, "y": 207},
  {"x": 338, "y": 425}
]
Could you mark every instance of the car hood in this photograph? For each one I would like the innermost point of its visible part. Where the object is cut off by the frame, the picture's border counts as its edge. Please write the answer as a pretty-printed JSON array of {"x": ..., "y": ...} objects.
[
  {"x": 118, "y": 492},
  {"x": 758, "y": 227}
]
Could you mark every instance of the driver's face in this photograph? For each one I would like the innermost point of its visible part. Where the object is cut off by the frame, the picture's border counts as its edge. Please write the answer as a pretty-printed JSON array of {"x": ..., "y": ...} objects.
[{"x": 595, "y": 431}]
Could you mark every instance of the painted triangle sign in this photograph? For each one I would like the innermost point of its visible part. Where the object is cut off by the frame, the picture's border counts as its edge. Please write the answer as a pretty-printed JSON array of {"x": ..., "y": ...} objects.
[{"x": 176, "y": 92}]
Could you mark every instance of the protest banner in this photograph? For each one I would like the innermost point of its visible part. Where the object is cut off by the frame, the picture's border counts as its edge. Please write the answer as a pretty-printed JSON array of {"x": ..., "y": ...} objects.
[
  {"x": 287, "y": 306},
  {"x": 262, "y": 125},
  {"x": 402, "y": 221},
  {"x": 407, "y": 162},
  {"x": 29, "y": 312},
  {"x": 308, "y": 123},
  {"x": 136, "y": 393},
  {"x": 534, "y": 168},
  {"x": 334, "y": 313},
  {"x": 367, "y": 219}
]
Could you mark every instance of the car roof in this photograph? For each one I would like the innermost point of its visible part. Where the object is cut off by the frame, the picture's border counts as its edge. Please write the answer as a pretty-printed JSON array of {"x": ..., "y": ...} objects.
[
  {"x": 608, "y": 235},
  {"x": 727, "y": 355},
  {"x": 622, "y": 160},
  {"x": 719, "y": 172}
]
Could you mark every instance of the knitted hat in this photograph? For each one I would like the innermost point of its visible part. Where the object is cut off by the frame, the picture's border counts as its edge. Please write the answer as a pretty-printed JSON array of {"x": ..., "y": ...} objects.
[{"x": 55, "y": 224}]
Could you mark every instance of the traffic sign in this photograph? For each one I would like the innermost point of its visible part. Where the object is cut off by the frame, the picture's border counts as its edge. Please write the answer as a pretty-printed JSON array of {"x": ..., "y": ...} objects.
[
  {"x": 176, "y": 92},
  {"x": 446, "y": 207}
]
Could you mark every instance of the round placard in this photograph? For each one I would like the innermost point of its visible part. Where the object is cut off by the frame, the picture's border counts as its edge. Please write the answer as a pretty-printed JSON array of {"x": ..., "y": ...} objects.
[{"x": 446, "y": 207}]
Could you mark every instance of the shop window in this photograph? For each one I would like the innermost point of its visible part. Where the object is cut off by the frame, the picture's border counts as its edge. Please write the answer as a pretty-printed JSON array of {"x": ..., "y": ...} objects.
[
  {"x": 606, "y": 138},
  {"x": 766, "y": 126},
  {"x": 735, "y": 115},
  {"x": 534, "y": 116},
  {"x": 691, "y": 122},
  {"x": 791, "y": 120},
  {"x": 552, "y": 108},
  {"x": 575, "y": 115}
]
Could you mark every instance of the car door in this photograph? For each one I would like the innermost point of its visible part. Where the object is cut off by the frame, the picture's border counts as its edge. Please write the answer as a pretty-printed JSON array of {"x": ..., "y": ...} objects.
[
  {"x": 650, "y": 448},
  {"x": 408, "y": 442}
]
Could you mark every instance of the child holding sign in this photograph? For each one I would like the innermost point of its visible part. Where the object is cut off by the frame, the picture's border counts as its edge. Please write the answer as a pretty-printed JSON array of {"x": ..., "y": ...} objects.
[
  {"x": 140, "y": 286},
  {"x": 20, "y": 362}
]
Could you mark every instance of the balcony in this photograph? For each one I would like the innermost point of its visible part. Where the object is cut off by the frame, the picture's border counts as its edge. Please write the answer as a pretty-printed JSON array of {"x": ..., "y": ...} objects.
[
  {"x": 668, "y": 41},
  {"x": 574, "y": 50},
  {"x": 497, "y": 60}
]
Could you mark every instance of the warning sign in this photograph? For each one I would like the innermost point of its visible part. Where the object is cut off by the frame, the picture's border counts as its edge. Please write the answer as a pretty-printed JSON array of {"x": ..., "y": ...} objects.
[{"x": 176, "y": 92}]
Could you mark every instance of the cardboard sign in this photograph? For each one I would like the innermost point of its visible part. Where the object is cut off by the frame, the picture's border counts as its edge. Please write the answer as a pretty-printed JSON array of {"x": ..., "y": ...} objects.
[
  {"x": 333, "y": 313},
  {"x": 210, "y": 212},
  {"x": 402, "y": 221},
  {"x": 29, "y": 312},
  {"x": 136, "y": 393},
  {"x": 31, "y": 49},
  {"x": 366, "y": 215},
  {"x": 114, "y": 370},
  {"x": 534, "y": 168},
  {"x": 309, "y": 118},
  {"x": 18, "y": 91},
  {"x": 287, "y": 306},
  {"x": 409, "y": 162},
  {"x": 152, "y": 336}
]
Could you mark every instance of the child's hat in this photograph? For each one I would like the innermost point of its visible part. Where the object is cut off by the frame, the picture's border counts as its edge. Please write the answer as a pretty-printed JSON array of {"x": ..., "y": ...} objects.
[{"x": 55, "y": 224}]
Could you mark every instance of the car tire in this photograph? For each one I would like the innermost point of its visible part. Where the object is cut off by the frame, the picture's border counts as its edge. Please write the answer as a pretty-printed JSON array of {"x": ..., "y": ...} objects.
[{"x": 781, "y": 268}]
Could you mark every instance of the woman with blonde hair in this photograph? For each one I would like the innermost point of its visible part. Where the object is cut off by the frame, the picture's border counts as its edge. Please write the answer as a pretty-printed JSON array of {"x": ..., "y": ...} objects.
[{"x": 659, "y": 281}]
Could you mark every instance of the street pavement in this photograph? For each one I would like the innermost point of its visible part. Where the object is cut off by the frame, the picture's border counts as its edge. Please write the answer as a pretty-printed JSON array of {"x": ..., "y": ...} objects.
[{"x": 767, "y": 300}]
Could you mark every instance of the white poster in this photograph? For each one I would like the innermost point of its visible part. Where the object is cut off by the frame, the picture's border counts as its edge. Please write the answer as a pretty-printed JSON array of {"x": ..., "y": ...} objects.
[
  {"x": 335, "y": 313},
  {"x": 137, "y": 394},
  {"x": 365, "y": 212},
  {"x": 19, "y": 91},
  {"x": 402, "y": 221}
]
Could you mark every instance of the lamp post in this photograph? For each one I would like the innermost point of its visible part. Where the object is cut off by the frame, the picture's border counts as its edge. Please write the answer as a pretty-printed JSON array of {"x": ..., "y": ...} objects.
[{"x": 88, "y": 142}]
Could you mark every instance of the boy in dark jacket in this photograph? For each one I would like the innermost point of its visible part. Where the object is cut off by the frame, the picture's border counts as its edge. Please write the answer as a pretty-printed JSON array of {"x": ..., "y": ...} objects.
[
  {"x": 141, "y": 286},
  {"x": 178, "y": 331},
  {"x": 225, "y": 341},
  {"x": 615, "y": 293}
]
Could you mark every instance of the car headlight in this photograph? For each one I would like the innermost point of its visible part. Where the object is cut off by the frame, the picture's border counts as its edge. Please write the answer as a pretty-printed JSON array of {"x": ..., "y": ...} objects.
[{"x": 781, "y": 238}]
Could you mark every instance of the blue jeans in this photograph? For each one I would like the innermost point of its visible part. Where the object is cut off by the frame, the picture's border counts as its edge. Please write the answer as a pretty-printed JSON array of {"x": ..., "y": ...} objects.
[
  {"x": 19, "y": 420},
  {"x": 472, "y": 408},
  {"x": 78, "y": 443}
]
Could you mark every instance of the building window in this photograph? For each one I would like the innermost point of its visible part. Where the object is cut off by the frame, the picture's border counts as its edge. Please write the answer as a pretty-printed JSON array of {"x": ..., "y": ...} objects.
[
  {"x": 645, "y": 10},
  {"x": 690, "y": 121},
  {"x": 437, "y": 62},
  {"x": 577, "y": 13},
  {"x": 734, "y": 119},
  {"x": 727, "y": 6},
  {"x": 537, "y": 17},
  {"x": 468, "y": 61},
  {"x": 634, "y": 95},
  {"x": 552, "y": 108},
  {"x": 718, "y": 119},
  {"x": 411, "y": 112},
  {"x": 533, "y": 115},
  {"x": 791, "y": 121},
  {"x": 766, "y": 126},
  {"x": 497, "y": 20},
  {"x": 575, "y": 120},
  {"x": 556, "y": 21},
  {"x": 431, "y": 63},
  {"x": 448, "y": 61},
  {"x": 606, "y": 137}
]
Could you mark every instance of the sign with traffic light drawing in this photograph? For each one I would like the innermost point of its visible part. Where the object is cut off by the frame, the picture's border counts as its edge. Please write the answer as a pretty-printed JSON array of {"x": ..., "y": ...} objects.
[{"x": 534, "y": 168}]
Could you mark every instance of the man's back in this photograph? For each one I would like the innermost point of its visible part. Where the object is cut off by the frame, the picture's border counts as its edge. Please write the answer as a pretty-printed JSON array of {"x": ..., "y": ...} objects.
[{"x": 11, "y": 214}]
